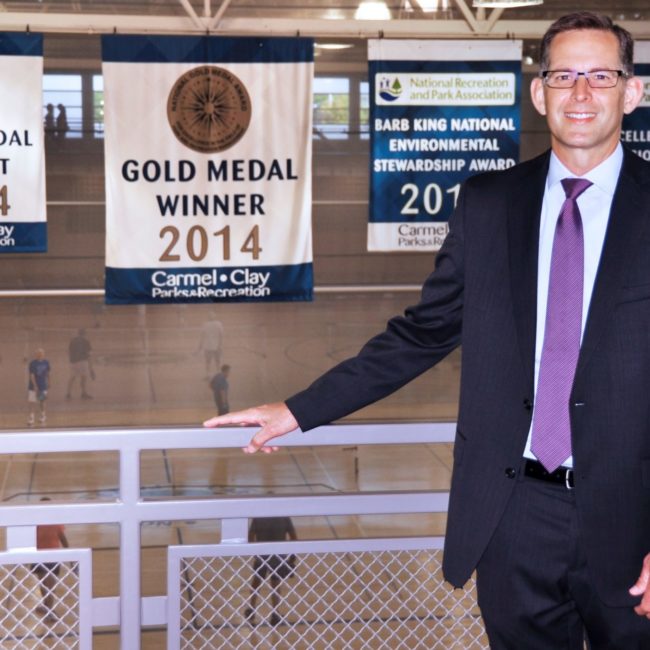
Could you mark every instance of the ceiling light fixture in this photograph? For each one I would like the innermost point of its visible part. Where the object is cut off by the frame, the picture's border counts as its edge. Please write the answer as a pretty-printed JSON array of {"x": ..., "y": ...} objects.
[
  {"x": 430, "y": 6},
  {"x": 505, "y": 4},
  {"x": 334, "y": 14},
  {"x": 372, "y": 10},
  {"x": 334, "y": 46}
]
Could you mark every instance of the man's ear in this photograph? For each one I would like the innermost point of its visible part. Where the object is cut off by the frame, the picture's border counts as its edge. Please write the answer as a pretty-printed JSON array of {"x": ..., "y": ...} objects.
[
  {"x": 537, "y": 95},
  {"x": 633, "y": 94}
]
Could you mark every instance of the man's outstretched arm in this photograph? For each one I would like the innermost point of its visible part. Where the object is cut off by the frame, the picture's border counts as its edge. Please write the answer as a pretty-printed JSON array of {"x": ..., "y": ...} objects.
[
  {"x": 274, "y": 419},
  {"x": 409, "y": 345}
]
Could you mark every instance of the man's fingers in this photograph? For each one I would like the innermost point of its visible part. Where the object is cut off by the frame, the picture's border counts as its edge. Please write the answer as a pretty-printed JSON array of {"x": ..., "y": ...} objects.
[
  {"x": 274, "y": 419},
  {"x": 641, "y": 584},
  {"x": 640, "y": 588},
  {"x": 259, "y": 440},
  {"x": 643, "y": 608},
  {"x": 252, "y": 449},
  {"x": 249, "y": 416}
]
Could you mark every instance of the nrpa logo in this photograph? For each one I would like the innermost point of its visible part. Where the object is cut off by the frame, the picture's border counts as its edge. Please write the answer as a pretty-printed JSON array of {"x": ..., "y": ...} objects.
[{"x": 389, "y": 90}]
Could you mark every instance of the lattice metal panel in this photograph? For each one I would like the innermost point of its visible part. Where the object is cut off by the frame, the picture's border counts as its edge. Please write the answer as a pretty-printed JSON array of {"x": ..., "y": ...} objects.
[
  {"x": 361, "y": 599},
  {"x": 28, "y": 618}
]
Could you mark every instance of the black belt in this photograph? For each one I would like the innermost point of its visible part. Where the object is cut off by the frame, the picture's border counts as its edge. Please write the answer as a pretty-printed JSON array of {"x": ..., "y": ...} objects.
[{"x": 562, "y": 475}]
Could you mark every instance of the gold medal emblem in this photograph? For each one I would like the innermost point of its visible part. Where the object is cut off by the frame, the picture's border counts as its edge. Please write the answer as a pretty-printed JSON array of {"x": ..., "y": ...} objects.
[{"x": 209, "y": 109}]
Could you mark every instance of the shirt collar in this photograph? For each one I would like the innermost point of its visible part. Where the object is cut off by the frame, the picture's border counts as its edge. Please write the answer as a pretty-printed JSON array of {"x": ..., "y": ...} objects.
[{"x": 603, "y": 176}]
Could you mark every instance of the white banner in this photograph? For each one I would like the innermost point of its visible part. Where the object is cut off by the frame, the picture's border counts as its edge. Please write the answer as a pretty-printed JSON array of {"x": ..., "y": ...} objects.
[
  {"x": 208, "y": 169},
  {"x": 23, "y": 227}
]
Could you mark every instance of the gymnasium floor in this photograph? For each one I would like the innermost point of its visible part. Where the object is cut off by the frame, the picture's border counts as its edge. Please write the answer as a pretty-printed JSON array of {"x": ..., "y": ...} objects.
[{"x": 150, "y": 372}]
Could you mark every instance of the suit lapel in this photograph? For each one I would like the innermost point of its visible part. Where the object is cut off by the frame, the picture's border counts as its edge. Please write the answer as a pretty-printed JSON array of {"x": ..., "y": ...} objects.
[
  {"x": 523, "y": 244},
  {"x": 627, "y": 220}
]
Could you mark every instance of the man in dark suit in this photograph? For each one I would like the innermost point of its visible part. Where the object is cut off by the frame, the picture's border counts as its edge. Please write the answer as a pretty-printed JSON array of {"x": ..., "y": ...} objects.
[{"x": 545, "y": 276}]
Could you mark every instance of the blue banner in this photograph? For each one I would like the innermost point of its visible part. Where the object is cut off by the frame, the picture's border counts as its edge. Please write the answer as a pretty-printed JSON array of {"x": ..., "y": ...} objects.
[
  {"x": 23, "y": 237},
  {"x": 636, "y": 125},
  {"x": 21, "y": 44},
  {"x": 440, "y": 112},
  {"x": 234, "y": 284},
  {"x": 199, "y": 49}
]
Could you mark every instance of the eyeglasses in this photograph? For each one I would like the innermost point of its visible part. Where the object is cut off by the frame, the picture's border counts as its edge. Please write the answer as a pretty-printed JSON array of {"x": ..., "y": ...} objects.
[{"x": 595, "y": 78}]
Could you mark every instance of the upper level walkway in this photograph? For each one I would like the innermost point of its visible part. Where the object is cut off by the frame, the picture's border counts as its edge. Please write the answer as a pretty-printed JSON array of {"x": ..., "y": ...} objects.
[{"x": 158, "y": 521}]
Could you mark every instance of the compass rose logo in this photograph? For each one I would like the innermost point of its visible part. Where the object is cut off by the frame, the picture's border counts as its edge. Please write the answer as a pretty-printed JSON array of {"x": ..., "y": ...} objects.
[{"x": 209, "y": 109}]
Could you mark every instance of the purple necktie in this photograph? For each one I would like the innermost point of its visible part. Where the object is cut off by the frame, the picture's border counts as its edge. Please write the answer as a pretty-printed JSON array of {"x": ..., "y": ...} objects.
[{"x": 551, "y": 438}]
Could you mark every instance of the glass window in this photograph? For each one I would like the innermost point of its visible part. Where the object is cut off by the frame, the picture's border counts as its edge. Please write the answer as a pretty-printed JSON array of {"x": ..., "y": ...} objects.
[
  {"x": 62, "y": 99},
  {"x": 331, "y": 108},
  {"x": 364, "y": 110},
  {"x": 98, "y": 106},
  {"x": 331, "y": 104}
]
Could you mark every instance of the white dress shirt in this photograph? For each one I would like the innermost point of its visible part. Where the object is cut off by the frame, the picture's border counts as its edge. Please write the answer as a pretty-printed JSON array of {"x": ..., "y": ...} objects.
[{"x": 595, "y": 204}]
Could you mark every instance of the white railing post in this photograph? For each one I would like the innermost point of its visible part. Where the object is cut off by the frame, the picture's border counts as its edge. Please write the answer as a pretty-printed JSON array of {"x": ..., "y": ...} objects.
[
  {"x": 130, "y": 607},
  {"x": 234, "y": 531},
  {"x": 20, "y": 538}
]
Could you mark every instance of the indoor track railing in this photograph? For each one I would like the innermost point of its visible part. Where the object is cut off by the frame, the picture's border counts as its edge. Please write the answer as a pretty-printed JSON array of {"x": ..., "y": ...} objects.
[{"x": 342, "y": 593}]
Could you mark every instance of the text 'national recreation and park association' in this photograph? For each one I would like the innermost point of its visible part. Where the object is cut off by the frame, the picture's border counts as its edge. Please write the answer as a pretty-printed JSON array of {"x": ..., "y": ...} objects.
[
  {"x": 440, "y": 111},
  {"x": 208, "y": 169},
  {"x": 23, "y": 226}
]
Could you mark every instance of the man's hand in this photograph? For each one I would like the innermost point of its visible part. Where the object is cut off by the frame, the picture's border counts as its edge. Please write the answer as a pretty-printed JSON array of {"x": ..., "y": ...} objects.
[
  {"x": 642, "y": 588},
  {"x": 275, "y": 420}
]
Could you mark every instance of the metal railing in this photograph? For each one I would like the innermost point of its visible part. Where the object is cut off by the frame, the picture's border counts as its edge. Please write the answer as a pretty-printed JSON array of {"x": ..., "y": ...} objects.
[
  {"x": 344, "y": 593},
  {"x": 97, "y": 293}
]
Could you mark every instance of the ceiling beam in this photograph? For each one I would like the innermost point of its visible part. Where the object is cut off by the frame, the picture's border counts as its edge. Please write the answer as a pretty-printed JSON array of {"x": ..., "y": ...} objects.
[
  {"x": 468, "y": 15},
  {"x": 495, "y": 14},
  {"x": 428, "y": 28},
  {"x": 189, "y": 10},
  {"x": 214, "y": 24}
]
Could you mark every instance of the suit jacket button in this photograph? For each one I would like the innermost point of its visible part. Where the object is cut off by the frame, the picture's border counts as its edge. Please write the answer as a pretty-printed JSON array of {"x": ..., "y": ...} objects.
[
  {"x": 511, "y": 472},
  {"x": 528, "y": 405}
]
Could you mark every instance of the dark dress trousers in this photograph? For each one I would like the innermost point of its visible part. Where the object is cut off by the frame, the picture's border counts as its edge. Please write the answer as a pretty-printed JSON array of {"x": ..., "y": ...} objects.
[{"x": 483, "y": 291}]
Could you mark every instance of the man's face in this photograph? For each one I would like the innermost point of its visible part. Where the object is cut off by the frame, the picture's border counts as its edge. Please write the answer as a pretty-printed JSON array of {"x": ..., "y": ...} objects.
[{"x": 585, "y": 122}]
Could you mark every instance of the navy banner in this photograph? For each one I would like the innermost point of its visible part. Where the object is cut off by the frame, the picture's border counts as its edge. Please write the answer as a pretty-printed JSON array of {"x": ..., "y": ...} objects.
[
  {"x": 440, "y": 111},
  {"x": 208, "y": 169},
  {"x": 195, "y": 284},
  {"x": 23, "y": 226},
  {"x": 636, "y": 125}
]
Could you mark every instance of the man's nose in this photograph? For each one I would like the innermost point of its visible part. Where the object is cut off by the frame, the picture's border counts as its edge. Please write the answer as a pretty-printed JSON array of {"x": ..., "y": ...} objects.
[{"x": 581, "y": 89}]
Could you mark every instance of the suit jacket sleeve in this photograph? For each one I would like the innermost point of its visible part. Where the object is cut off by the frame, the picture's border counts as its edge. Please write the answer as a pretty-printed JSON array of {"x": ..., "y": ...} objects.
[{"x": 410, "y": 344}]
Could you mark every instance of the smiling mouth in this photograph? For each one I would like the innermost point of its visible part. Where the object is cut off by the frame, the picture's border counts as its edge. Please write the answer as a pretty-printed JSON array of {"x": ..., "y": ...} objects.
[{"x": 580, "y": 116}]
